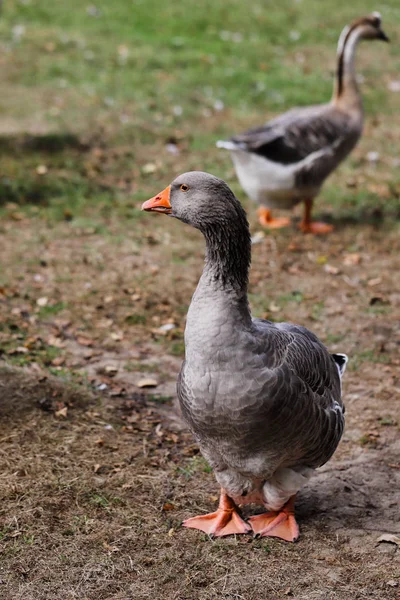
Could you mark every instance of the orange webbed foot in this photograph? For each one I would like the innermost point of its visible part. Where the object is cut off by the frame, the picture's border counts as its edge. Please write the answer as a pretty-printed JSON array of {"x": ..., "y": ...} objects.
[
  {"x": 281, "y": 524},
  {"x": 270, "y": 222},
  {"x": 315, "y": 227},
  {"x": 224, "y": 521}
]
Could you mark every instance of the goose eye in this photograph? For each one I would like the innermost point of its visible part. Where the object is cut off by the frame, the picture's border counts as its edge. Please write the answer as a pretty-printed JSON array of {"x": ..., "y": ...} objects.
[{"x": 184, "y": 187}]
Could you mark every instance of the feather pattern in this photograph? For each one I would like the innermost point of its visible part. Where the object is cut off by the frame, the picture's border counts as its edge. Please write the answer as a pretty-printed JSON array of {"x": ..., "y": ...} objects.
[{"x": 263, "y": 399}]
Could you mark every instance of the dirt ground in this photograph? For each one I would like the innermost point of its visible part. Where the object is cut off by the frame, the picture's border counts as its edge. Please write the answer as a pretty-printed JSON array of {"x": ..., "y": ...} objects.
[{"x": 97, "y": 473}]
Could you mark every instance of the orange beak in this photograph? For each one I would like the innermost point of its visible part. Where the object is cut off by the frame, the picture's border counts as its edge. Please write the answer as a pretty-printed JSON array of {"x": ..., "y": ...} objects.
[{"x": 159, "y": 203}]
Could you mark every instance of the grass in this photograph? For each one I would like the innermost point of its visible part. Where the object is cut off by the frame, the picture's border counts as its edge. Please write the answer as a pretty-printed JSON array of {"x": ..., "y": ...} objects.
[{"x": 113, "y": 81}]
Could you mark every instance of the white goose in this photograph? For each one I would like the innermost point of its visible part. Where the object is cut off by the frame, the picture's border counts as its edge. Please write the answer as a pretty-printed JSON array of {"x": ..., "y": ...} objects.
[
  {"x": 287, "y": 160},
  {"x": 262, "y": 399}
]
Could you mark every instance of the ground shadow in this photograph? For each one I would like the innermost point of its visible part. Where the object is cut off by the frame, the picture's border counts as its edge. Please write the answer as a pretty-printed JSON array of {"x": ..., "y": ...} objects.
[
  {"x": 22, "y": 392},
  {"x": 15, "y": 145}
]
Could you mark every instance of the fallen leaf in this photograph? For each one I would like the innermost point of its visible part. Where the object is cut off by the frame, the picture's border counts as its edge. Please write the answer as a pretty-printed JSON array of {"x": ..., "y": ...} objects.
[
  {"x": 62, "y": 412},
  {"x": 168, "y": 506},
  {"x": 149, "y": 168},
  {"x": 352, "y": 259},
  {"x": 110, "y": 548},
  {"x": 17, "y": 216},
  {"x": 42, "y": 301},
  {"x": 52, "y": 340},
  {"x": 274, "y": 307},
  {"x": 390, "y": 538},
  {"x": 167, "y": 327},
  {"x": 258, "y": 237},
  {"x": 374, "y": 282},
  {"x": 58, "y": 361},
  {"x": 331, "y": 269},
  {"x": 147, "y": 382},
  {"x": 18, "y": 350},
  {"x": 373, "y": 156},
  {"x": 111, "y": 370},
  {"x": 104, "y": 323},
  {"x": 117, "y": 337},
  {"x": 393, "y": 85},
  {"x": 84, "y": 341}
]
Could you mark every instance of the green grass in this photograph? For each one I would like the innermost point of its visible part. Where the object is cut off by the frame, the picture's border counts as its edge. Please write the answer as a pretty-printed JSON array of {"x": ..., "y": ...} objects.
[{"x": 131, "y": 76}]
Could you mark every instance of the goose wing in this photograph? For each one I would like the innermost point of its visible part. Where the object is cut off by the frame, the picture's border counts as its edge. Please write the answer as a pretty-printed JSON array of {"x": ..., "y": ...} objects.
[
  {"x": 303, "y": 395},
  {"x": 298, "y": 133}
]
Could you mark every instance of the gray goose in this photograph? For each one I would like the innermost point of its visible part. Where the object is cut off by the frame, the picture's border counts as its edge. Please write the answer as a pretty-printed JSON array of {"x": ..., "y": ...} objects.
[
  {"x": 287, "y": 160},
  {"x": 262, "y": 399}
]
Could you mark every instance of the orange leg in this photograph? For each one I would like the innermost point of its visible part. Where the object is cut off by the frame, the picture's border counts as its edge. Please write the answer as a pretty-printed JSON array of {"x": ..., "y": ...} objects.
[
  {"x": 281, "y": 524},
  {"x": 267, "y": 220},
  {"x": 307, "y": 226},
  {"x": 225, "y": 521}
]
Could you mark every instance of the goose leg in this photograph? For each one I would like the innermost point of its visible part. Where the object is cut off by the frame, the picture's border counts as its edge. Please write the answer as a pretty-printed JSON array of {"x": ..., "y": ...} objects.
[
  {"x": 307, "y": 226},
  {"x": 281, "y": 524},
  {"x": 225, "y": 521},
  {"x": 267, "y": 220}
]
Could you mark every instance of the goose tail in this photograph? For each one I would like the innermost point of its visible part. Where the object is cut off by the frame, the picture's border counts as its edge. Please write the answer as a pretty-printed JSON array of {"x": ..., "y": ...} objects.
[
  {"x": 341, "y": 361},
  {"x": 227, "y": 145}
]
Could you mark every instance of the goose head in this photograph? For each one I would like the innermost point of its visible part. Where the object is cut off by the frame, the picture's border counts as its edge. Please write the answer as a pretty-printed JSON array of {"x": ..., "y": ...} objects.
[
  {"x": 371, "y": 27},
  {"x": 199, "y": 199}
]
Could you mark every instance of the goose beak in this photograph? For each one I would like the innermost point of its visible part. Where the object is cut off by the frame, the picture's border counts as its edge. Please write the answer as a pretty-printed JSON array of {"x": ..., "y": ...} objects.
[
  {"x": 159, "y": 203},
  {"x": 382, "y": 36}
]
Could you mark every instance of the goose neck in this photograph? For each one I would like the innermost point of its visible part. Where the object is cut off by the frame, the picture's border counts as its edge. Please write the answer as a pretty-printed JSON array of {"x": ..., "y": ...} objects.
[{"x": 346, "y": 91}]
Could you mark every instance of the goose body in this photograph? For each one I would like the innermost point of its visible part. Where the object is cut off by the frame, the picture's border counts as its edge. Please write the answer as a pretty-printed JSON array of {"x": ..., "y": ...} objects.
[
  {"x": 263, "y": 399},
  {"x": 287, "y": 160}
]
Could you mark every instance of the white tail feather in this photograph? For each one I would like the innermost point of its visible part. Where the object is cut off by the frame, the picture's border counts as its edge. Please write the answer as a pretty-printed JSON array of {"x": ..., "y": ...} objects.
[{"x": 227, "y": 145}]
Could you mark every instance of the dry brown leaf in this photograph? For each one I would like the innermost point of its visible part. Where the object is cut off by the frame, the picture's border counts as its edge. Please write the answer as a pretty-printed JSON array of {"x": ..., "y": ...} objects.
[
  {"x": 58, "y": 361},
  {"x": 111, "y": 370},
  {"x": 352, "y": 259},
  {"x": 375, "y": 281},
  {"x": 84, "y": 341},
  {"x": 331, "y": 269},
  {"x": 274, "y": 307},
  {"x": 391, "y": 538},
  {"x": 117, "y": 336},
  {"x": 18, "y": 350},
  {"x": 110, "y": 548},
  {"x": 62, "y": 412},
  {"x": 147, "y": 382},
  {"x": 168, "y": 506}
]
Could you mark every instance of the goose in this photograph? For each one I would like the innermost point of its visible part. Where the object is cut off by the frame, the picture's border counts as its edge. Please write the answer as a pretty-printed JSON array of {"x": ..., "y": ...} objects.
[
  {"x": 287, "y": 160},
  {"x": 262, "y": 399}
]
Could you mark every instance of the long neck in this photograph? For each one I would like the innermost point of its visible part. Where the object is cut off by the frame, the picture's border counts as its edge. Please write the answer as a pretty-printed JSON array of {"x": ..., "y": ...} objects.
[
  {"x": 346, "y": 90},
  {"x": 228, "y": 257},
  {"x": 221, "y": 295}
]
